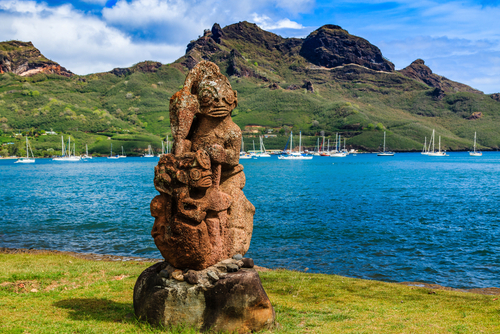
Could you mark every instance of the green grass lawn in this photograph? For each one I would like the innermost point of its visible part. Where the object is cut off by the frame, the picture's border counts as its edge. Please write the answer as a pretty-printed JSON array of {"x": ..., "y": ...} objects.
[{"x": 57, "y": 293}]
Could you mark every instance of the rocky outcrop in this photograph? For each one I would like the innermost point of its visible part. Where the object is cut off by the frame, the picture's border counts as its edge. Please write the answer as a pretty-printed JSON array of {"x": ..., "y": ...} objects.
[
  {"x": 217, "y": 33},
  {"x": 331, "y": 46},
  {"x": 421, "y": 72},
  {"x": 274, "y": 86},
  {"x": 227, "y": 297},
  {"x": 120, "y": 72},
  {"x": 308, "y": 86},
  {"x": 475, "y": 115},
  {"x": 23, "y": 59},
  {"x": 496, "y": 97}
]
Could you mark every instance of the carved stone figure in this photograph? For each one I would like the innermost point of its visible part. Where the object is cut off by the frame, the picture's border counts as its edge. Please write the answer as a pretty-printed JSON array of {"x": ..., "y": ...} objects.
[
  {"x": 203, "y": 221},
  {"x": 201, "y": 214}
]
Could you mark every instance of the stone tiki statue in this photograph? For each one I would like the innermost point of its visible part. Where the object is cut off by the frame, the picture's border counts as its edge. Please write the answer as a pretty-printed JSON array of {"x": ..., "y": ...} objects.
[
  {"x": 203, "y": 221},
  {"x": 201, "y": 214}
]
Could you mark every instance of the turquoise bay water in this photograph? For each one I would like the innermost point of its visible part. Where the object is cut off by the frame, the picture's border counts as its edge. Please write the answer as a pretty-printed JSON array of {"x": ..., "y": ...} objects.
[{"x": 402, "y": 218}]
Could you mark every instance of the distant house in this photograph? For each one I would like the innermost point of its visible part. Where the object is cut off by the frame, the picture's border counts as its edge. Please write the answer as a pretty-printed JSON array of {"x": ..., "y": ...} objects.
[{"x": 50, "y": 132}]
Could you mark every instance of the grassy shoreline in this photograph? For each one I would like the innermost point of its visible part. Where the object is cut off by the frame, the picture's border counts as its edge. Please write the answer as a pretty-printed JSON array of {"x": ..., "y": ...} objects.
[{"x": 60, "y": 292}]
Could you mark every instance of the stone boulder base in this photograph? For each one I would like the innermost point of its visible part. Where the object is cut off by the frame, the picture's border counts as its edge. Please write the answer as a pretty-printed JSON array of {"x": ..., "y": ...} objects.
[{"x": 220, "y": 300}]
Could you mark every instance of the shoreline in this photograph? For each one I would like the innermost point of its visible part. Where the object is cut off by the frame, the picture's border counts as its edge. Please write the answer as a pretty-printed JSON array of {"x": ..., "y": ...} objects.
[{"x": 115, "y": 258}]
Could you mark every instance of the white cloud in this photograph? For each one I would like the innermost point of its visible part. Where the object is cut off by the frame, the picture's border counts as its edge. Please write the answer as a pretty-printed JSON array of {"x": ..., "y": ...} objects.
[
  {"x": 266, "y": 23},
  {"x": 81, "y": 43}
]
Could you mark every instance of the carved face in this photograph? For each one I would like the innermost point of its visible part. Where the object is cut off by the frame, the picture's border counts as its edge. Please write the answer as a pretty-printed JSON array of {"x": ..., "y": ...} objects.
[
  {"x": 196, "y": 170},
  {"x": 200, "y": 176},
  {"x": 216, "y": 97}
]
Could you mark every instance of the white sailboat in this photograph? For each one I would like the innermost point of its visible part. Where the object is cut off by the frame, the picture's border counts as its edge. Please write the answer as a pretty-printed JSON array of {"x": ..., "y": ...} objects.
[
  {"x": 317, "y": 149},
  {"x": 385, "y": 153},
  {"x": 122, "y": 155},
  {"x": 475, "y": 153},
  {"x": 263, "y": 153},
  {"x": 295, "y": 155},
  {"x": 243, "y": 154},
  {"x": 111, "y": 156},
  {"x": 437, "y": 153},
  {"x": 150, "y": 153},
  {"x": 66, "y": 154},
  {"x": 27, "y": 160},
  {"x": 425, "y": 150},
  {"x": 87, "y": 156},
  {"x": 338, "y": 153}
]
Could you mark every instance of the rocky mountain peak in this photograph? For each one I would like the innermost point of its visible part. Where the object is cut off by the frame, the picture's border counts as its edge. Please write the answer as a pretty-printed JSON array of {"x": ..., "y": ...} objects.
[
  {"x": 23, "y": 59},
  {"x": 331, "y": 46},
  {"x": 417, "y": 70}
]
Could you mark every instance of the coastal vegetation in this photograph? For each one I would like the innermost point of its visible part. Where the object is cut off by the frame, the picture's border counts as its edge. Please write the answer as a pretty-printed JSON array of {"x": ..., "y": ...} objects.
[
  {"x": 281, "y": 88},
  {"x": 58, "y": 293}
]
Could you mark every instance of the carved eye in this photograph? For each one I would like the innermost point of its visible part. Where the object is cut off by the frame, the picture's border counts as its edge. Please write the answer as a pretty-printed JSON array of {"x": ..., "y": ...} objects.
[
  {"x": 230, "y": 96},
  {"x": 195, "y": 174},
  {"x": 206, "y": 96},
  {"x": 203, "y": 159}
]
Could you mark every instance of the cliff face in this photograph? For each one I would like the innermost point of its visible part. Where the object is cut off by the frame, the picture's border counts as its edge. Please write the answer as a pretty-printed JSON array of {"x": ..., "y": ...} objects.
[
  {"x": 23, "y": 59},
  {"x": 332, "y": 46},
  {"x": 421, "y": 72},
  {"x": 329, "y": 46}
]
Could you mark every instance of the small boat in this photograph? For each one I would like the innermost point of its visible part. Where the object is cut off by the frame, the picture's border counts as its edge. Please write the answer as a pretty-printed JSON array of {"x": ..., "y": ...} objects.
[
  {"x": 122, "y": 155},
  {"x": 425, "y": 149},
  {"x": 385, "y": 153},
  {"x": 295, "y": 155},
  {"x": 87, "y": 156},
  {"x": 111, "y": 156},
  {"x": 150, "y": 153},
  {"x": 66, "y": 154},
  {"x": 27, "y": 160},
  {"x": 338, "y": 153},
  {"x": 243, "y": 154},
  {"x": 437, "y": 153},
  {"x": 262, "y": 153},
  {"x": 475, "y": 153}
]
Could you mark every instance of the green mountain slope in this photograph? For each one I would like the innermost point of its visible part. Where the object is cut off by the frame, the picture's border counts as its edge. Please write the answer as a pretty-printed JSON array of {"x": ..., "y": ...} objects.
[{"x": 326, "y": 83}]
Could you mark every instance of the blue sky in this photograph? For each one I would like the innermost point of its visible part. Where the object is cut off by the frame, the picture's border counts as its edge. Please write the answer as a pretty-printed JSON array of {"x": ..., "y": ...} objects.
[{"x": 457, "y": 39}]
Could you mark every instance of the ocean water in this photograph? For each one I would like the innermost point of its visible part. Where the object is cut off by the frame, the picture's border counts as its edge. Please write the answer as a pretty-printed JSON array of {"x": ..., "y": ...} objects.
[{"x": 403, "y": 218}]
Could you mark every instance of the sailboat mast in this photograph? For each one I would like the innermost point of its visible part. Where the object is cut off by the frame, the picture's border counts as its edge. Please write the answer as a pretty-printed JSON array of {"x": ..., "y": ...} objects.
[
  {"x": 439, "y": 144},
  {"x": 300, "y": 141},
  {"x": 62, "y": 146},
  {"x": 474, "y": 142},
  {"x": 433, "y": 140},
  {"x": 384, "y": 141},
  {"x": 27, "y": 153},
  {"x": 291, "y": 142}
]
